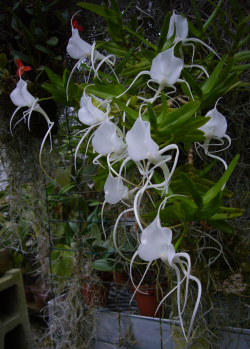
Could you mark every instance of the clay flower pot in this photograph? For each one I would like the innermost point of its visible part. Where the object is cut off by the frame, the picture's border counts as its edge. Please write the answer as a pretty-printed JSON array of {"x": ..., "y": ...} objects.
[
  {"x": 120, "y": 278},
  {"x": 96, "y": 294},
  {"x": 29, "y": 295},
  {"x": 40, "y": 296},
  {"x": 147, "y": 303}
]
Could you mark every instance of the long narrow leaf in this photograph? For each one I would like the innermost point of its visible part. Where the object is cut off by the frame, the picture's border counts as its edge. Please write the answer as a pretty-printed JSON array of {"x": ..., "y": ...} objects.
[
  {"x": 211, "y": 18},
  {"x": 192, "y": 189},
  {"x": 221, "y": 182},
  {"x": 164, "y": 32}
]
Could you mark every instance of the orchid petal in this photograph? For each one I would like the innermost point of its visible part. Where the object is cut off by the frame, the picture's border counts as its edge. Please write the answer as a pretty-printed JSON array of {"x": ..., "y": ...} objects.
[
  {"x": 115, "y": 190},
  {"x": 78, "y": 48},
  {"x": 29, "y": 99},
  {"x": 166, "y": 68},
  {"x": 106, "y": 140},
  {"x": 181, "y": 25},
  {"x": 216, "y": 126},
  {"x": 151, "y": 145},
  {"x": 88, "y": 114},
  {"x": 155, "y": 242},
  {"x": 140, "y": 143},
  {"x": 16, "y": 95}
]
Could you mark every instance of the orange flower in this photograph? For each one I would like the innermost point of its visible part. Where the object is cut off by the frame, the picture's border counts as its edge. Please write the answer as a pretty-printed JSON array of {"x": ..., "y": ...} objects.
[
  {"x": 21, "y": 68},
  {"x": 76, "y": 25}
]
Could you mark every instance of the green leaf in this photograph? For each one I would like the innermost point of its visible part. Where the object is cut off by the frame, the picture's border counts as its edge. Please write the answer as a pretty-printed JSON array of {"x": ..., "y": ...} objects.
[
  {"x": 96, "y": 233},
  {"x": 22, "y": 56},
  {"x": 197, "y": 16},
  {"x": 227, "y": 213},
  {"x": 98, "y": 9},
  {"x": 149, "y": 54},
  {"x": 113, "y": 48},
  {"x": 30, "y": 11},
  {"x": 45, "y": 50},
  {"x": 60, "y": 17},
  {"x": 192, "y": 83},
  {"x": 237, "y": 10},
  {"x": 164, "y": 32},
  {"x": 62, "y": 262},
  {"x": 114, "y": 30},
  {"x": 192, "y": 189},
  {"x": 151, "y": 115},
  {"x": 54, "y": 79},
  {"x": 211, "y": 18},
  {"x": 221, "y": 182},
  {"x": 106, "y": 92},
  {"x": 141, "y": 38},
  {"x": 241, "y": 67},
  {"x": 52, "y": 41},
  {"x": 40, "y": 33},
  {"x": 103, "y": 265},
  {"x": 219, "y": 91},
  {"x": 190, "y": 125},
  {"x": 175, "y": 118},
  {"x": 222, "y": 225},
  {"x": 15, "y": 6},
  {"x": 242, "y": 56},
  {"x": 225, "y": 26},
  {"x": 243, "y": 41},
  {"x": 193, "y": 29},
  {"x": 136, "y": 69},
  {"x": 123, "y": 62},
  {"x": 209, "y": 83},
  {"x": 32, "y": 29},
  {"x": 40, "y": 16},
  {"x": 225, "y": 72},
  {"x": 131, "y": 114},
  {"x": 2, "y": 17}
]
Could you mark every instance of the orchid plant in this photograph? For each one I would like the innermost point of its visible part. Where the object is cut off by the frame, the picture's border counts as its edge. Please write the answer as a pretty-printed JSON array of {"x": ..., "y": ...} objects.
[{"x": 138, "y": 107}]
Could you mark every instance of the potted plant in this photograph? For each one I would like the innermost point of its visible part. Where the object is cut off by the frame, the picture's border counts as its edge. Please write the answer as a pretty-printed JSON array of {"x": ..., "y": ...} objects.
[{"x": 147, "y": 106}]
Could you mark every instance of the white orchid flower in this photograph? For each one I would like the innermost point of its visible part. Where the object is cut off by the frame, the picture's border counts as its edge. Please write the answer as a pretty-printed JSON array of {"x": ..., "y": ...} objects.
[
  {"x": 79, "y": 49},
  {"x": 88, "y": 114},
  {"x": 215, "y": 128},
  {"x": 21, "y": 97},
  {"x": 165, "y": 71},
  {"x": 155, "y": 244},
  {"x": 181, "y": 26},
  {"x": 166, "y": 68},
  {"x": 115, "y": 190},
  {"x": 141, "y": 146},
  {"x": 106, "y": 140},
  {"x": 139, "y": 141}
]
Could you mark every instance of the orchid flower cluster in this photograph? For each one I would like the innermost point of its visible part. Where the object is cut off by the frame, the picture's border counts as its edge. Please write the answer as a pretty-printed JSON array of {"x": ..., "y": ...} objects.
[{"x": 139, "y": 121}]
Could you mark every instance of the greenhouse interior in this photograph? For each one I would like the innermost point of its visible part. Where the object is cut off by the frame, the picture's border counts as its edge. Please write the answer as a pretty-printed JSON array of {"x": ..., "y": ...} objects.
[{"x": 124, "y": 182}]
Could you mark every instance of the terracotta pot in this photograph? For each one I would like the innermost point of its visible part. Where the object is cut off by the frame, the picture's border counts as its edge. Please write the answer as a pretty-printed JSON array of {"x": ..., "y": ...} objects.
[
  {"x": 96, "y": 294},
  {"x": 120, "y": 278},
  {"x": 29, "y": 295},
  {"x": 147, "y": 303},
  {"x": 40, "y": 296}
]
